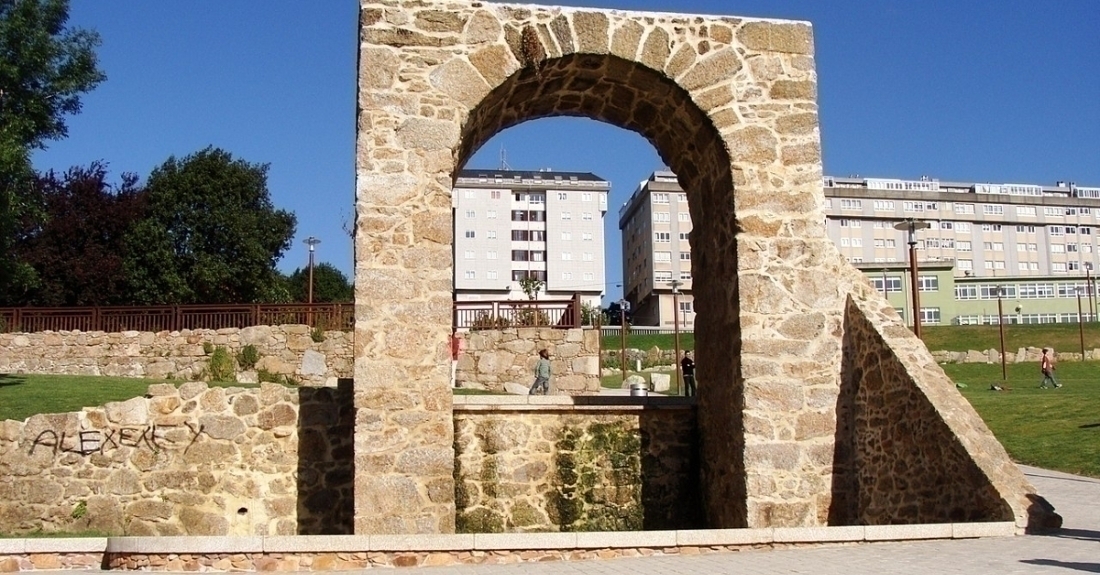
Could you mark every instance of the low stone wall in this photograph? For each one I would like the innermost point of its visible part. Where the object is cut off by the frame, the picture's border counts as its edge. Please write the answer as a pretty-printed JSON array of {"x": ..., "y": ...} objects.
[
  {"x": 569, "y": 464},
  {"x": 319, "y": 553},
  {"x": 505, "y": 359},
  {"x": 189, "y": 461},
  {"x": 1023, "y": 355},
  {"x": 285, "y": 350}
]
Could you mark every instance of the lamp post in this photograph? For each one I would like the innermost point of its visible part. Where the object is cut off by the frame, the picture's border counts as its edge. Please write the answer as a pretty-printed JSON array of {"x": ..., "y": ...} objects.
[
  {"x": 911, "y": 226},
  {"x": 312, "y": 243},
  {"x": 1080, "y": 323},
  {"x": 1089, "y": 285},
  {"x": 1001, "y": 329},
  {"x": 676, "y": 331},
  {"x": 622, "y": 334}
]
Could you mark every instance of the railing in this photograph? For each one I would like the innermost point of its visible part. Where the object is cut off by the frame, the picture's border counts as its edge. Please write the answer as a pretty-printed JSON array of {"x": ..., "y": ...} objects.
[
  {"x": 518, "y": 313},
  {"x": 609, "y": 330},
  {"x": 334, "y": 316}
]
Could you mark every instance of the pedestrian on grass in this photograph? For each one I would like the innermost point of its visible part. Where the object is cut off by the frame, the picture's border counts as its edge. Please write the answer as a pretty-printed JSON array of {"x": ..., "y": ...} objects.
[
  {"x": 687, "y": 367},
  {"x": 542, "y": 374},
  {"x": 1046, "y": 365}
]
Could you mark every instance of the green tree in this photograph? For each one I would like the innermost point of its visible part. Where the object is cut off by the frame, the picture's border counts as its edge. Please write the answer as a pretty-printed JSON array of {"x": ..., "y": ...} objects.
[
  {"x": 77, "y": 249},
  {"x": 45, "y": 67},
  {"x": 329, "y": 284},
  {"x": 211, "y": 234}
]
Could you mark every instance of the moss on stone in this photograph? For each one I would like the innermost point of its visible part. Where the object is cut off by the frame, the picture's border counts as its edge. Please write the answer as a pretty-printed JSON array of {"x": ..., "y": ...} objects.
[
  {"x": 526, "y": 515},
  {"x": 480, "y": 520}
]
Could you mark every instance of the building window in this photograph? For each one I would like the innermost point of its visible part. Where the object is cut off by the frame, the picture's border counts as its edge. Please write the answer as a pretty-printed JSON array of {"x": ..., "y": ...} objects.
[
  {"x": 520, "y": 255},
  {"x": 491, "y": 214},
  {"x": 586, "y": 237},
  {"x": 586, "y": 197},
  {"x": 660, "y": 216},
  {"x": 662, "y": 257},
  {"x": 1025, "y": 211},
  {"x": 683, "y": 236},
  {"x": 965, "y": 265},
  {"x": 470, "y": 234},
  {"x": 587, "y": 256},
  {"x": 966, "y": 292},
  {"x": 566, "y": 236},
  {"x": 566, "y": 275},
  {"x": 685, "y": 256},
  {"x": 491, "y": 234},
  {"x": 683, "y": 217},
  {"x": 490, "y": 255},
  {"x": 495, "y": 194},
  {"x": 893, "y": 284},
  {"x": 850, "y": 223},
  {"x": 537, "y": 198},
  {"x": 470, "y": 214},
  {"x": 884, "y": 205},
  {"x": 993, "y": 209},
  {"x": 587, "y": 216},
  {"x": 567, "y": 256},
  {"x": 566, "y": 216},
  {"x": 963, "y": 246},
  {"x": 847, "y": 204},
  {"x": 662, "y": 276},
  {"x": 930, "y": 315},
  {"x": 491, "y": 275},
  {"x": 470, "y": 274},
  {"x": 660, "y": 198},
  {"x": 589, "y": 276},
  {"x": 964, "y": 208},
  {"x": 929, "y": 283},
  {"x": 469, "y": 254}
]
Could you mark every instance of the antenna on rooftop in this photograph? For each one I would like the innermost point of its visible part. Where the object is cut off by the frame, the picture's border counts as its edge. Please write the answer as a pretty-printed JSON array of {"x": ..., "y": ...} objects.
[{"x": 504, "y": 159}]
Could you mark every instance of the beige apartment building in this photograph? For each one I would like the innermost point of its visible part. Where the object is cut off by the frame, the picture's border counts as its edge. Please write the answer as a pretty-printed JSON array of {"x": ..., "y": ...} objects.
[
  {"x": 1018, "y": 242},
  {"x": 510, "y": 225}
]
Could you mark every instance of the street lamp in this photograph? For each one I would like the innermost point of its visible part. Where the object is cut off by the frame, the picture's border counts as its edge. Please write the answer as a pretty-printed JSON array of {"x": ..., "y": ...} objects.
[
  {"x": 1080, "y": 322},
  {"x": 676, "y": 330},
  {"x": 312, "y": 243},
  {"x": 1001, "y": 329},
  {"x": 911, "y": 226},
  {"x": 622, "y": 334}
]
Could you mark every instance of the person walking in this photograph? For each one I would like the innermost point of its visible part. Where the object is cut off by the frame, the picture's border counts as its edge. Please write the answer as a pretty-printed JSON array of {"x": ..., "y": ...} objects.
[
  {"x": 542, "y": 374},
  {"x": 1046, "y": 365},
  {"x": 687, "y": 367}
]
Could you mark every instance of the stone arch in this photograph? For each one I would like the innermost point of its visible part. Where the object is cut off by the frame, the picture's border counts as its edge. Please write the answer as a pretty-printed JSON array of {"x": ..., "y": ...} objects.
[{"x": 730, "y": 104}]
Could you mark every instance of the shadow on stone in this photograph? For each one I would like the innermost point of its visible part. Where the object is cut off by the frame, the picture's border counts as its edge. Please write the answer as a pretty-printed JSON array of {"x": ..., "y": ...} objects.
[
  {"x": 671, "y": 494},
  {"x": 326, "y": 419}
]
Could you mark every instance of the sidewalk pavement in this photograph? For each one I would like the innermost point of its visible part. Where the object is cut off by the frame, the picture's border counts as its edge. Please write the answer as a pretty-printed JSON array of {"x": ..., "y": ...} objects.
[{"x": 1075, "y": 548}]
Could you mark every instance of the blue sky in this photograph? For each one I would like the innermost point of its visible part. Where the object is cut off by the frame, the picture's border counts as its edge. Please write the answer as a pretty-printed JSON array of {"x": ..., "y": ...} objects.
[{"x": 1005, "y": 91}]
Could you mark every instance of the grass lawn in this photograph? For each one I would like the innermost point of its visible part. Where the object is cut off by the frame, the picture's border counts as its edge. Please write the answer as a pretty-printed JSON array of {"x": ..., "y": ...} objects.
[
  {"x": 22, "y": 396},
  {"x": 1060, "y": 336},
  {"x": 1050, "y": 428},
  {"x": 615, "y": 381}
]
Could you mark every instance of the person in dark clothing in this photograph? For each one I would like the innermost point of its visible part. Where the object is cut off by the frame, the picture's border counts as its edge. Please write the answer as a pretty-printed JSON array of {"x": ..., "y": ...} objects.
[{"x": 687, "y": 367}]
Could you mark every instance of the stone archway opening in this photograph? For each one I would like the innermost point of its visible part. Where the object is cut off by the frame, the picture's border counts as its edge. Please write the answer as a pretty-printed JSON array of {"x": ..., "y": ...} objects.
[{"x": 632, "y": 96}]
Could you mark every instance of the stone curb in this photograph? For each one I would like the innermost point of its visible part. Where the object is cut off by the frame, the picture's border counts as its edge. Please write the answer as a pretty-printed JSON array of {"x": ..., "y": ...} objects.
[
  {"x": 507, "y": 541},
  {"x": 568, "y": 403}
]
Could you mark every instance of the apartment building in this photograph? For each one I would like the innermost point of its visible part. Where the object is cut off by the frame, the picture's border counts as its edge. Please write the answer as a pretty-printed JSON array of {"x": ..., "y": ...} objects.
[
  {"x": 510, "y": 225},
  {"x": 1018, "y": 242}
]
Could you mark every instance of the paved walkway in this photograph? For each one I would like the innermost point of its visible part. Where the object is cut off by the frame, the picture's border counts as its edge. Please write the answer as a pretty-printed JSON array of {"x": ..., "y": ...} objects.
[{"x": 1075, "y": 549}]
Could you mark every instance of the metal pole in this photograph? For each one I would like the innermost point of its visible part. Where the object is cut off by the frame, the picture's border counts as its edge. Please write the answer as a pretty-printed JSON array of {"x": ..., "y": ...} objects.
[
  {"x": 1001, "y": 328},
  {"x": 676, "y": 332},
  {"x": 1080, "y": 324},
  {"x": 1089, "y": 286},
  {"x": 914, "y": 280},
  {"x": 622, "y": 336}
]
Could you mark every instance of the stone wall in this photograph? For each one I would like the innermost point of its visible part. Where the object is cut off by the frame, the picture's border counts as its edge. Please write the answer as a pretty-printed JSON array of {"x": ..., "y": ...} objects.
[
  {"x": 908, "y": 448},
  {"x": 572, "y": 466},
  {"x": 286, "y": 350},
  {"x": 196, "y": 460},
  {"x": 492, "y": 359}
]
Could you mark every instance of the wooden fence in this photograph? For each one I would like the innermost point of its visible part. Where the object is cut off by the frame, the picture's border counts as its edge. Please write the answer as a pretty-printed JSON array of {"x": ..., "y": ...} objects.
[{"x": 331, "y": 316}]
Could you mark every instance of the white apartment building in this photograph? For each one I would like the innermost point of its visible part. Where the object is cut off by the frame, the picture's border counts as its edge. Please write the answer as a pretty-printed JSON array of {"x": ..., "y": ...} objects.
[
  {"x": 1037, "y": 242},
  {"x": 510, "y": 225}
]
